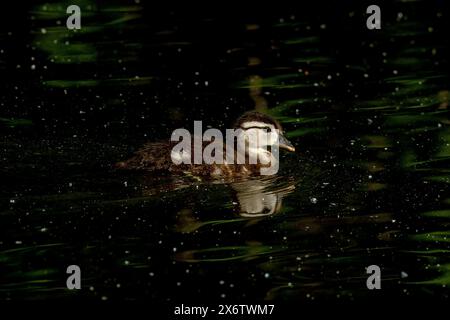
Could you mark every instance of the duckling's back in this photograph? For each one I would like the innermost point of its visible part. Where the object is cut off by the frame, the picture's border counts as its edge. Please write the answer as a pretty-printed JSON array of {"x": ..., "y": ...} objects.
[{"x": 153, "y": 156}]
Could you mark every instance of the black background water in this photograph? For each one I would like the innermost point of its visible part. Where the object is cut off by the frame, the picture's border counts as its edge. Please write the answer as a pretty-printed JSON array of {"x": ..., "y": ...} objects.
[{"x": 366, "y": 109}]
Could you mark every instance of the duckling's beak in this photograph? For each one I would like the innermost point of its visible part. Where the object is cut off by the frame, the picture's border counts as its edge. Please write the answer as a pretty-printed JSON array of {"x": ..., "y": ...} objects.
[{"x": 284, "y": 143}]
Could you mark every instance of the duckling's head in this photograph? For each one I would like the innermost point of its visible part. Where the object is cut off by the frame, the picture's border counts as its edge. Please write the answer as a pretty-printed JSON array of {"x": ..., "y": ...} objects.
[{"x": 256, "y": 124}]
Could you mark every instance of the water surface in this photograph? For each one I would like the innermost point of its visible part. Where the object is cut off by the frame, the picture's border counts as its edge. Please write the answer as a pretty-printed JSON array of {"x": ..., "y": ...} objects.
[{"x": 369, "y": 183}]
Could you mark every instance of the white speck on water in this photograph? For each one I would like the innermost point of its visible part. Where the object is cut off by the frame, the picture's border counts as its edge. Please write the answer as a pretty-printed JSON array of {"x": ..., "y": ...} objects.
[{"x": 313, "y": 200}]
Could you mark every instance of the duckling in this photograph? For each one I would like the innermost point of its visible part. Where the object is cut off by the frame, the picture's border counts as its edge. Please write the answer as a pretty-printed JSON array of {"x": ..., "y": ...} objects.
[{"x": 156, "y": 156}]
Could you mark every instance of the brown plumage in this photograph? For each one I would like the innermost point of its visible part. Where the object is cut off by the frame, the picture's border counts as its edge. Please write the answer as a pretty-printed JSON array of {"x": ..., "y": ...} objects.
[{"x": 155, "y": 156}]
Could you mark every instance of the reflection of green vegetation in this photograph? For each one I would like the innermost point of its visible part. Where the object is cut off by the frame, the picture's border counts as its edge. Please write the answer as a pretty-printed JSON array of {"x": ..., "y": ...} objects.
[
  {"x": 16, "y": 122},
  {"x": 303, "y": 131},
  {"x": 411, "y": 120},
  {"x": 406, "y": 61},
  {"x": 279, "y": 82},
  {"x": 7, "y": 255},
  {"x": 377, "y": 142},
  {"x": 444, "y": 150},
  {"x": 437, "y": 236},
  {"x": 71, "y": 83},
  {"x": 302, "y": 121},
  {"x": 438, "y": 213},
  {"x": 314, "y": 59},
  {"x": 71, "y": 46},
  {"x": 225, "y": 253},
  {"x": 428, "y": 252},
  {"x": 308, "y": 40},
  {"x": 92, "y": 83},
  {"x": 40, "y": 273},
  {"x": 63, "y": 45},
  {"x": 443, "y": 279},
  {"x": 68, "y": 47}
]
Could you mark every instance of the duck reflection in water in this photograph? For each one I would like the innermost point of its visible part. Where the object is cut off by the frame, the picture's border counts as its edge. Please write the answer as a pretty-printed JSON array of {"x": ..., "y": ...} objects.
[
  {"x": 260, "y": 197},
  {"x": 252, "y": 199}
]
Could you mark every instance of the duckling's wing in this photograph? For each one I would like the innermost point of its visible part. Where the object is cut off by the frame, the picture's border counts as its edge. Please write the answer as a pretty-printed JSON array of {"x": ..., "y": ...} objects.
[{"x": 151, "y": 157}]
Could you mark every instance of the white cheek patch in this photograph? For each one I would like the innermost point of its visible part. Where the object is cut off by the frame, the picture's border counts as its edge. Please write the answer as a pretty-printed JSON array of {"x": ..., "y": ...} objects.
[
  {"x": 260, "y": 138},
  {"x": 252, "y": 136},
  {"x": 181, "y": 157},
  {"x": 267, "y": 138},
  {"x": 259, "y": 143}
]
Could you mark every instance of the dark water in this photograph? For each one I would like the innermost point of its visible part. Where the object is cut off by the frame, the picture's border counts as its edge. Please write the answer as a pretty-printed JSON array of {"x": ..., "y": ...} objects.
[{"x": 369, "y": 183}]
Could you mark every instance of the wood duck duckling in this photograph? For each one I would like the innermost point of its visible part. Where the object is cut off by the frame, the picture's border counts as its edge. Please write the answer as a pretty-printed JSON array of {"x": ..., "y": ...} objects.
[{"x": 157, "y": 157}]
